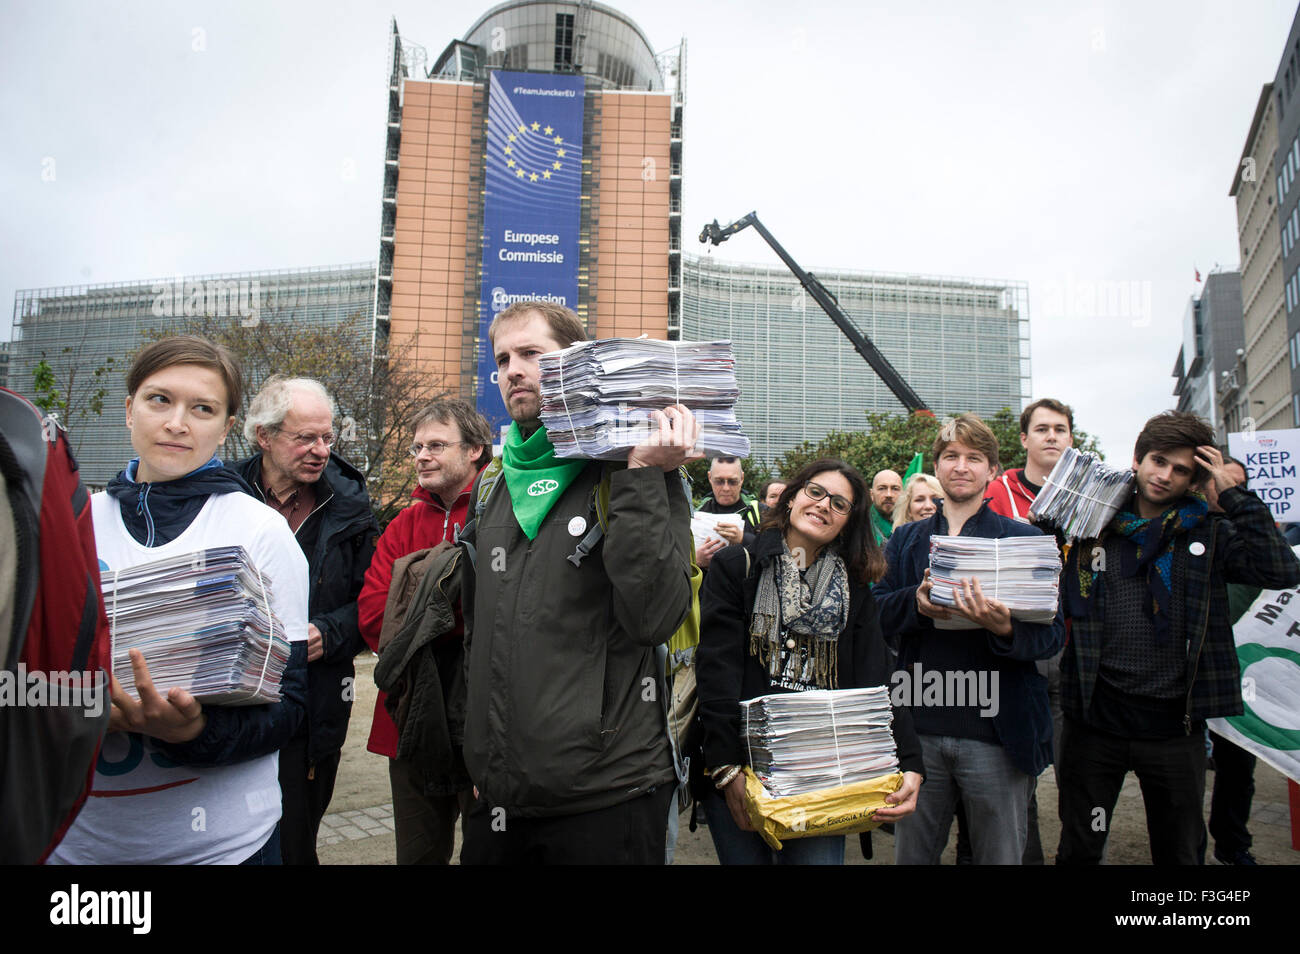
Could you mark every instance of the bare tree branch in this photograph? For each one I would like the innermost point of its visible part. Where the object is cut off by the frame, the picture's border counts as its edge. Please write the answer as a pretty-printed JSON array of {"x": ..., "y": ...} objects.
[{"x": 376, "y": 400}]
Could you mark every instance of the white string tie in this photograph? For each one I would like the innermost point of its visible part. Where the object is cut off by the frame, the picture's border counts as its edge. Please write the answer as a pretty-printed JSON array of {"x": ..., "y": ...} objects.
[
  {"x": 563, "y": 397},
  {"x": 270, "y": 622}
]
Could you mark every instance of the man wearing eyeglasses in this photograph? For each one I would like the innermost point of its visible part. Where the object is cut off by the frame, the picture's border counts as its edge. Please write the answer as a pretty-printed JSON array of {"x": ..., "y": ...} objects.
[
  {"x": 725, "y": 480},
  {"x": 325, "y": 501},
  {"x": 452, "y": 441}
]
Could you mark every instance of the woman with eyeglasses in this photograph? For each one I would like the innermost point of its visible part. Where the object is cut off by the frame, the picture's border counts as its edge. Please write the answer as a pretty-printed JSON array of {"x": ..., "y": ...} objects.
[
  {"x": 178, "y": 781},
  {"x": 793, "y": 615}
]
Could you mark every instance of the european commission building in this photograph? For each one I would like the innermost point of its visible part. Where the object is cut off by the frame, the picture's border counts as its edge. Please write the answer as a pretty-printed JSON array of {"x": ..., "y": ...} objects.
[
  {"x": 963, "y": 345},
  {"x": 541, "y": 155}
]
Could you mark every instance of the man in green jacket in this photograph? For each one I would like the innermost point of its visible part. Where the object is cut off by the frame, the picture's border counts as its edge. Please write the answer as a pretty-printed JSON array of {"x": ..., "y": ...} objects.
[{"x": 565, "y": 735}]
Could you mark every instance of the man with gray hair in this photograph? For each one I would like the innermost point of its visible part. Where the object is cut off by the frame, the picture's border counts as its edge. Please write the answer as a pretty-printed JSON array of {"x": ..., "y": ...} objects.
[{"x": 324, "y": 499}]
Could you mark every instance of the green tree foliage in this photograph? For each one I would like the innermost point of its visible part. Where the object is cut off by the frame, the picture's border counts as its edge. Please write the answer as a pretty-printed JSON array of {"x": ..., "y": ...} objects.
[
  {"x": 44, "y": 383},
  {"x": 71, "y": 392},
  {"x": 893, "y": 439}
]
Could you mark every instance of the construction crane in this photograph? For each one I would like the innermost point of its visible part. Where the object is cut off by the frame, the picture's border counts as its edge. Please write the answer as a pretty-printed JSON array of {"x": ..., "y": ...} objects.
[{"x": 717, "y": 234}]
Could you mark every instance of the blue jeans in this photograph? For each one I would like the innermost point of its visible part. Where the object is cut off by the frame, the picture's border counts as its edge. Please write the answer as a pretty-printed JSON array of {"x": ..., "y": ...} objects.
[
  {"x": 994, "y": 792},
  {"x": 269, "y": 853},
  {"x": 736, "y": 847}
]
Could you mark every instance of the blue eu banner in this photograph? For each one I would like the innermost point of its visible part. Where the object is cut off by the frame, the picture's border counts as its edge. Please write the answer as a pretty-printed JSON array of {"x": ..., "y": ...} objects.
[{"x": 530, "y": 211}]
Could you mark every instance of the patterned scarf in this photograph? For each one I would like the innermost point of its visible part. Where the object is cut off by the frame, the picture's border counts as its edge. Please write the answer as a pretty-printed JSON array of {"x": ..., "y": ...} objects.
[
  {"x": 1148, "y": 548},
  {"x": 813, "y": 610}
]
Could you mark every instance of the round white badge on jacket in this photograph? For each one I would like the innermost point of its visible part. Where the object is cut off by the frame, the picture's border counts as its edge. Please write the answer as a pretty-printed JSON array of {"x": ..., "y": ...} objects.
[
  {"x": 577, "y": 527},
  {"x": 1197, "y": 548}
]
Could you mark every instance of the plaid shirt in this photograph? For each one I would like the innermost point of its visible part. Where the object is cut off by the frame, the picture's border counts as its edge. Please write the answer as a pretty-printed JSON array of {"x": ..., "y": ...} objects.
[{"x": 1240, "y": 545}]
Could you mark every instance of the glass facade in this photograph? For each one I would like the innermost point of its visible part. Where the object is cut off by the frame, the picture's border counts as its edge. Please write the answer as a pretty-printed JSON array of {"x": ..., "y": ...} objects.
[
  {"x": 962, "y": 345},
  {"x": 561, "y": 37},
  {"x": 80, "y": 327}
]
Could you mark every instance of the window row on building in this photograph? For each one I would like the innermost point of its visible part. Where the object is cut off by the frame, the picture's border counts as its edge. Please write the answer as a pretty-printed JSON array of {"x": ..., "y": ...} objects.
[
  {"x": 1290, "y": 169},
  {"x": 1291, "y": 231},
  {"x": 1293, "y": 291}
]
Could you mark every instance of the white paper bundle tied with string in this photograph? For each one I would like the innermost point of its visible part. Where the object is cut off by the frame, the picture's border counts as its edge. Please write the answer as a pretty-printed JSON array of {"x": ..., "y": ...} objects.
[
  {"x": 599, "y": 397},
  {"x": 800, "y": 742},
  {"x": 1081, "y": 495},
  {"x": 203, "y": 622},
  {"x": 1022, "y": 572}
]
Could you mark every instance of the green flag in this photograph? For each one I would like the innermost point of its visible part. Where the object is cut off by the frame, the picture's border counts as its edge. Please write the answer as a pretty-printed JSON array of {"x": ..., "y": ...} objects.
[{"x": 914, "y": 467}]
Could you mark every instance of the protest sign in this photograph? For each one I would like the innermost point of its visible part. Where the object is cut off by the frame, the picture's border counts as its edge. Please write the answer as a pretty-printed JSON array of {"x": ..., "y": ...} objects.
[
  {"x": 1270, "y": 458},
  {"x": 1268, "y": 648}
]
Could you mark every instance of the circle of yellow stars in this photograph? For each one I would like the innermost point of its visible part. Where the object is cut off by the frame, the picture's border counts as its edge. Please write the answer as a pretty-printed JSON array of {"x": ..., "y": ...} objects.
[{"x": 549, "y": 133}]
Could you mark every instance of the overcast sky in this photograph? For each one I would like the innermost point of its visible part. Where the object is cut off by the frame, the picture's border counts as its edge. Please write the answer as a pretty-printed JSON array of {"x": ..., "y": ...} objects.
[{"x": 1061, "y": 144}]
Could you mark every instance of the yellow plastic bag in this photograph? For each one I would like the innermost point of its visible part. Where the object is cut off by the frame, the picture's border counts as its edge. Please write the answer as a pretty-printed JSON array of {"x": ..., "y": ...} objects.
[{"x": 831, "y": 811}]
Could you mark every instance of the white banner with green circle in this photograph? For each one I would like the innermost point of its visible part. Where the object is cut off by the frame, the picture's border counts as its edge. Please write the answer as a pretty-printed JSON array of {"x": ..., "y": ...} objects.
[{"x": 1268, "y": 646}]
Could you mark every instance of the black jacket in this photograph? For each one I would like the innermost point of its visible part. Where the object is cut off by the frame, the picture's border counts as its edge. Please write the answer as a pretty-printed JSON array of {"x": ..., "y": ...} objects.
[
  {"x": 750, "y": 511},
  {"x": 727, "y": 674},
  {"x": 339, "y": 538},
  {"x": 424, "y": 677},
  {"x": 558, "y": 719}
]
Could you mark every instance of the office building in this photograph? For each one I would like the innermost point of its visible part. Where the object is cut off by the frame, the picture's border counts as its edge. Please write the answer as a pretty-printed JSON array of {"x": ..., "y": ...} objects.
[
  {"x": 1258, "y": 386},
  {"x": 76, "y": 330},
  {"x": 1286, "y": 173},
  {"x": 1213, "y": 342},
  {"x": 537, "y": 157},
  {"x": 801, "y": 378}
]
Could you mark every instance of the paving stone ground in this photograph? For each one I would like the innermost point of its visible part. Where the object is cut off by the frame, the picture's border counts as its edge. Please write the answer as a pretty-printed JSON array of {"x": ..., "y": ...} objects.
[{"x": 359, "y": 826}]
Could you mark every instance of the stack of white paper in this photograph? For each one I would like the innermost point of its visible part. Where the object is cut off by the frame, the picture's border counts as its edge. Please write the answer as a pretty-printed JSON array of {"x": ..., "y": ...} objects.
[
  {"x": 704, "y": 526},
  {"x": 1081, "y": 495},
  {"x": 204, "y": 624},
  {"x": 1022, "y": 572},
  {"x": 598, "y": 397},
  {"x": 808, "y": 741}
]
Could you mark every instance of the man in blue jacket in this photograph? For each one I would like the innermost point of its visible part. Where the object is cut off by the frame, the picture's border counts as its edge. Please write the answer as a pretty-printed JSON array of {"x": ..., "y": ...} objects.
[{"x": 986, "y": 750}]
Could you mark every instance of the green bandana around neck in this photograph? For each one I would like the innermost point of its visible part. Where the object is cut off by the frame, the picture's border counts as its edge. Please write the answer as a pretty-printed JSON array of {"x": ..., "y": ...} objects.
[
  {"x": 535, "y": 476},
  {"x": 881, "y": 525}
]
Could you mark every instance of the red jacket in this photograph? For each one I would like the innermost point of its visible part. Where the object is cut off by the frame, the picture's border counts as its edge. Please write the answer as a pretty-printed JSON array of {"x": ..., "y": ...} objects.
[
  {"x": 425, "y": 523},
  {"x": 1008, "y": 496}
]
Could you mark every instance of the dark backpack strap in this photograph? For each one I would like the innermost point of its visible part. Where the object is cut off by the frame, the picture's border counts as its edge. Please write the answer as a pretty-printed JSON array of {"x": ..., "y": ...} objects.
[
  {"x": 597, "y": 507},
  {"x": 586, "y": 544},
  {"x": 594, "y": 535},
  {"x": 484, "y": 484}
]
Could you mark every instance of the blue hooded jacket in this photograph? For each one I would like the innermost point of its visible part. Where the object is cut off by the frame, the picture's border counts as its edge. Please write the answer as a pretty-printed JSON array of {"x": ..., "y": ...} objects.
[{"x": 157, "y": 513}]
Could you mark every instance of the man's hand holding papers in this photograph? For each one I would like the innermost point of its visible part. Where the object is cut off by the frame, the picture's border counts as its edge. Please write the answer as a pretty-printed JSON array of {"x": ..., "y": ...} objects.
[
  {"x": 923, "y": 604},
  {"x": 672, "y": 444},
  {"x": 976, "y": 607}
]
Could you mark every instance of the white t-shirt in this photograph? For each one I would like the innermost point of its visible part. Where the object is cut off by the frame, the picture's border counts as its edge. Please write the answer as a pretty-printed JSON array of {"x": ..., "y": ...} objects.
[{"x": 144, "y": 808}]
